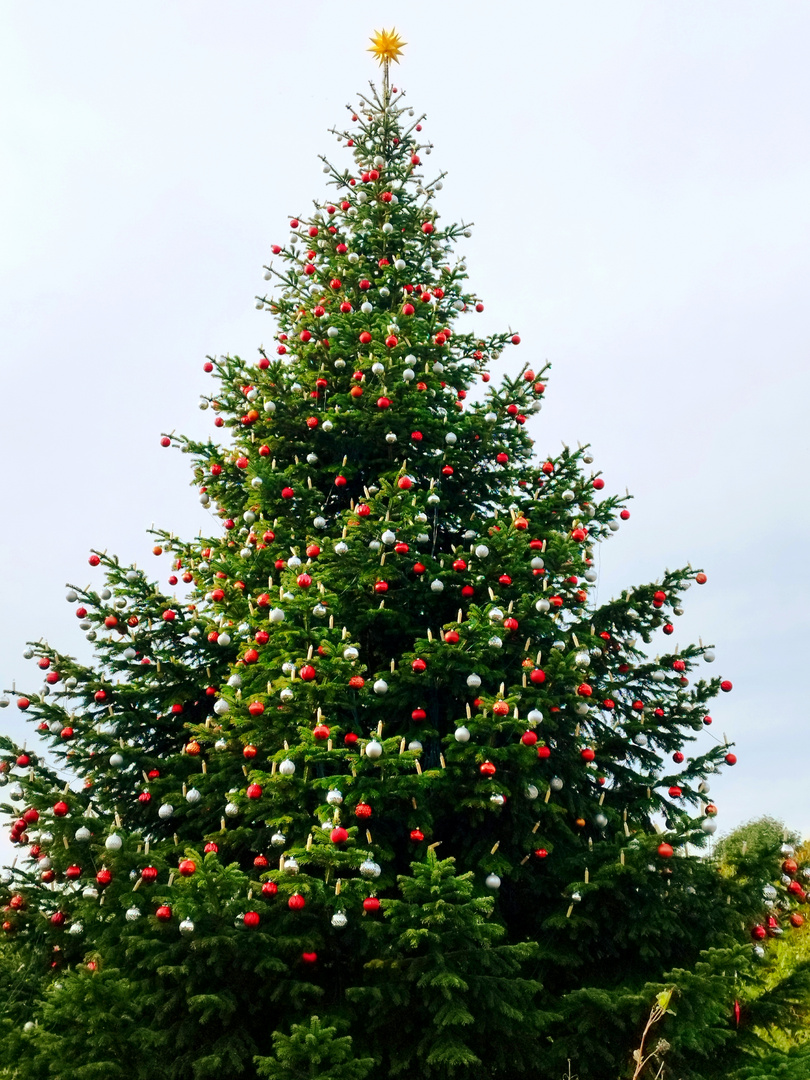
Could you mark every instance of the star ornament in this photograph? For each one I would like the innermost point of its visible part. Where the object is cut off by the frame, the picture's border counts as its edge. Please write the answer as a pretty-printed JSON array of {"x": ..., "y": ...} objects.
[{"x": 387, "y": 45}]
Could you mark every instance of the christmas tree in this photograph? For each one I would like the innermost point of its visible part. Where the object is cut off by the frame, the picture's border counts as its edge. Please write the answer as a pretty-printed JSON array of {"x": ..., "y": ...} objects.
[{"x": 381, "y": 788}]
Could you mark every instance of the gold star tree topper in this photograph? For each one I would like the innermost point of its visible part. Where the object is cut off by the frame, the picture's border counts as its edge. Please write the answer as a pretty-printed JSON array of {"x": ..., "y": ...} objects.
[{"x": 387, "y": 45}]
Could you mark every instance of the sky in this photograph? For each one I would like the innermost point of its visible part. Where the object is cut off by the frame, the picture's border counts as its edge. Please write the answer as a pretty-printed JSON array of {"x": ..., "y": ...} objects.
[{"x": 638, "y": 174}]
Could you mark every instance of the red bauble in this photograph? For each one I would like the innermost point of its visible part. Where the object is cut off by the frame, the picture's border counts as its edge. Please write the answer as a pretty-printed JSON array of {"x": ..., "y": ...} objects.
[
  {"x": 321, "y": 731},
  {"x": 362, "y": 810},
  {"x": 624, "y": 515},
  {"x": 404, "y": 483},
  {"x": 759, "y": 932},
  {"x": 149, "y": 874},
  {"x": 543, "y": 752},
  {"x": 104, "y": 877},
  {"x": 537, "y": 675},
  {"x": 60, "y": 809},
  {"x": 675, "y": 792},
  {"x": 296, "y": 902},
  {"x": 287, "y": 493},
  {"x": 701, "y": 579},
  {"x": 541, "y": 853},
  {"x": 307, "y": 672},
  {"x": 510, "y": 624},
  {"x": 255, "y": 708},
  {"x": 451, "y": 637},
  {"x": 790, "y": 866},
  {"x": 371, "y": 903},
  {"x": 269, "y": 888},
  {"x": 528, "y": 738},
  {"x": 163, "y": 913},
  {"x": 254, "y": 791},
  {"x": 666, "y": 851},
  {"x": 380, "y": 586},
  {"x": 584, "y": 690},
  {"x": 486, "y": 768},
  {"x": 677, "y": 757},
  {"x": 350, "y": 739},
  {"x": 94, "y": 560},
  {"x": 252, "y": 918},
  {"x": 418, "y": 715},
  {"x": 363, "y": 510},
  {"x": 309, "y": 957},
  {"x": 260, "y": 862},
  {"x": 500, "y": 708},
  {"x": 251, "y": 656},
  {"x": 731, "y": 759},
  {"x": 419, "y": 665},
  {"x": 73, "y": 872},
  {"x": 303, "y": 581},
  {"x": 187, "y": 867},
  {"x": 338, "y": 835},
  {"x": 726, "y": 686},
  {"x": 587, "y": 754},
  {"x": 417, "y": 836}
]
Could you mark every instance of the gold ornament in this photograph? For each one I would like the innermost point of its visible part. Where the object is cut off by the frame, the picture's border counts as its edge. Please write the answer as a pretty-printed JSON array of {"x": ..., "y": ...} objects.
[{"x": 387, "y": 45}]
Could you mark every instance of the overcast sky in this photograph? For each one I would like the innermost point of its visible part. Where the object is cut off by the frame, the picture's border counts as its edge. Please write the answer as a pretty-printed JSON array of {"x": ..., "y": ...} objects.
[{"x": 639, "y": 178}]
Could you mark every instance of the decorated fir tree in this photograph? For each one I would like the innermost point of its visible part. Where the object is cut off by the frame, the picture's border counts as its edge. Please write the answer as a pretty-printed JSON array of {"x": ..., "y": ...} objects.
[{"x": 376, "y": 788}]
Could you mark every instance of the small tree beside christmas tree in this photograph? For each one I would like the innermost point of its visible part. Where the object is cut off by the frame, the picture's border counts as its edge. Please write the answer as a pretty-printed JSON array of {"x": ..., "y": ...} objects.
[{"x": 381, "y": 790}]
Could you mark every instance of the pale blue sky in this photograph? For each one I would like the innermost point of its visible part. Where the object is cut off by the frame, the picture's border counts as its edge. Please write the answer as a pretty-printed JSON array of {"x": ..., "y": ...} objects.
[{"x": 638, "y": 173}]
